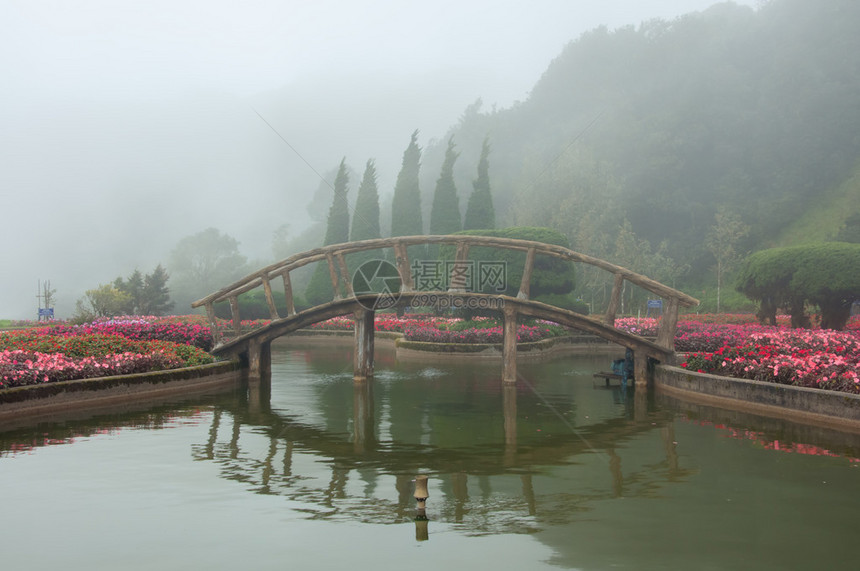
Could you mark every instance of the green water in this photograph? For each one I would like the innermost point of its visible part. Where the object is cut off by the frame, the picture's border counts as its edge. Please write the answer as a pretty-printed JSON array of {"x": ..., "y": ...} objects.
[{"x": 316, "y": 473}]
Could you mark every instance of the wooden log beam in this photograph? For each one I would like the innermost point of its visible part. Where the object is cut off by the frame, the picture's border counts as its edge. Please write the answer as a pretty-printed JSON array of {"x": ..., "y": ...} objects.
[
  {"x": 213, "y": 323},
  {"x": 288, "y": 293},
  {"x": 344, "y": 275},
  {"x": 525, "y": 283},
  {"x": 401, "y": 257},
  {"x": 457, "y": 279},
  {"x": 270, "y": 300},
  {"x": 668, "y": 325},
  {"x": 332, "y": 272},
  {"x": 615, "y": 300},
  {"x": 234, "y": 312}
]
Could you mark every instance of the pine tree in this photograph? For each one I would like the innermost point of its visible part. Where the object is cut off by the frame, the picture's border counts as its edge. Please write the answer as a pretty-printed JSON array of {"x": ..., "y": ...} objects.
[
  {"x": 480, "y": 214},
  {"x": 406, "y": 205},
  {"x": 319, "y": 288},
  {"x": 445, "y": 212},
  {"x": 133, "y": 286},
  {"x": 365, "y": 219},
  {"x": 155, "y": 298}
]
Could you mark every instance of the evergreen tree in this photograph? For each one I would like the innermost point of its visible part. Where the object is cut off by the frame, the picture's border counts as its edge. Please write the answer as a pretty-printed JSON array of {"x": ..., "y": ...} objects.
[
  {"x": 133, "y": 287},
  {"x": 406, "y": 205},
  {"x": 480, "y": 214},
  {"x": 337, "y": 228},
  {"x": 445, "y": 212},
  {"x": 155, "y": 298},
  {"x": 337, "y": 232},
  {"x": 365, "y": 219}
]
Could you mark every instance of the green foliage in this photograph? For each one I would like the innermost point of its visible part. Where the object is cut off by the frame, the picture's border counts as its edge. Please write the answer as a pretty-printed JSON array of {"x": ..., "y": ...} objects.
[
  {"x": 406, "y": 203},
  {"x": 445, "y": 212},
  {"x": 480, "y": 213},
  {"x": 827, "y": 275},
  {"x": 365, "y": 219},
  {"x": 851, "y": 231},
  {"x": 550, "y": 275},
  {"x": 147, "y": 295},
  {"x": 663, "y": 123},
  {"x": 156, "y": 295},
  {"x": 319, "y": 288},
  {"x": 203, "y": 263},
  {"x": 253, "y": 305},
  {"x": 563, "y": 301},
  {"x": 103, "y": 301}
]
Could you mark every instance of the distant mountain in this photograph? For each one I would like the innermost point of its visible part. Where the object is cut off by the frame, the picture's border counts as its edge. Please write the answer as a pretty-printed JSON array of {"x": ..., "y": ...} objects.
[{"x": 751, "y": 111}]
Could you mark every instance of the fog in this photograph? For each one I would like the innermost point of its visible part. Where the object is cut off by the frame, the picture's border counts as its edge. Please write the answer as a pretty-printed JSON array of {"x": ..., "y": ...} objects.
[{"x": 127, "y": 126}]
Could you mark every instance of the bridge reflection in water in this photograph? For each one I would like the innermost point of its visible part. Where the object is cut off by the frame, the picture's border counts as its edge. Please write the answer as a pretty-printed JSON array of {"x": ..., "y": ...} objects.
[{"x": 498, "y": 455}]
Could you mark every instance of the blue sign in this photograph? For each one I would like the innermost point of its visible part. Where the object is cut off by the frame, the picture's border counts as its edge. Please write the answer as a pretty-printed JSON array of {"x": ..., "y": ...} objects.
[
  {"x": 655, "y": 304},
  {"x": 46, "y": 312}
]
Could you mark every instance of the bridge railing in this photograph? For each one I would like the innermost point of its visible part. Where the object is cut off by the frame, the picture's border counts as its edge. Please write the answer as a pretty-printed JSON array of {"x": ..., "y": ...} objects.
[{"x": 334, "y": 256}]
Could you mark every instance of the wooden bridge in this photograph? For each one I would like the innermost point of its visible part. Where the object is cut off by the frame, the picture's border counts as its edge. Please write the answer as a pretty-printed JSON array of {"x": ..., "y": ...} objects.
[{"x": 254, "y": 346}]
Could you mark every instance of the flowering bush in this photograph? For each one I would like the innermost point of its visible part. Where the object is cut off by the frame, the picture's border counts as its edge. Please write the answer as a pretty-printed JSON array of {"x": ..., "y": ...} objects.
[
  {"x": 820, "y": 358},
  {"x": 19, "y": 367},
  {"x": 525, "y": 333},
  {"x": 107, "y": 347},
  {"x": 448, "y": 330},
  {"x": 141, "y": 328}
]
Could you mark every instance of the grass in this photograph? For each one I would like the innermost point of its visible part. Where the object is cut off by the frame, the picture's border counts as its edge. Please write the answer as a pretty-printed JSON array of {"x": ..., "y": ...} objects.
[{"x": 826, "y": 215}]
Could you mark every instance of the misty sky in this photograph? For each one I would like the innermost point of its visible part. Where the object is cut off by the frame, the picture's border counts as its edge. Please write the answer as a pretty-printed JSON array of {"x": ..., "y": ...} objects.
[{"x": 125, "y": 126}]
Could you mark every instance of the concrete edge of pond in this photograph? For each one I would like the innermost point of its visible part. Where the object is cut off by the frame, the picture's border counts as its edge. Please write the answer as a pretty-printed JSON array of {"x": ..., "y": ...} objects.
[
  {"x": 33, "y": 402},
  {"x": 831, "y": 409}
]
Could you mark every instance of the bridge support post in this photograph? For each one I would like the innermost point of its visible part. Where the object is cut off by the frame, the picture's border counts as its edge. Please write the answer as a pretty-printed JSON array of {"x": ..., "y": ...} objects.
[
  {"x": 509, "y": 346},
  {"x": 641, "y": 370},
  {"x": 364, "y": 336},
  {"x": 259, "y": 361}
]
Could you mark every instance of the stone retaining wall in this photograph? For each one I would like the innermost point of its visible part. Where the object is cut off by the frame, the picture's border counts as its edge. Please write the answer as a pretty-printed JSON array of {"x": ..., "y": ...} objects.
[
  {"x": 799, "y": 404},
  {"x": 37, "y": 401}
]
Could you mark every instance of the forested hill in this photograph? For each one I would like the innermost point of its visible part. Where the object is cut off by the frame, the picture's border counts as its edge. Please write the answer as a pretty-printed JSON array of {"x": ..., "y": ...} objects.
[{"x": 754, "y": 112}]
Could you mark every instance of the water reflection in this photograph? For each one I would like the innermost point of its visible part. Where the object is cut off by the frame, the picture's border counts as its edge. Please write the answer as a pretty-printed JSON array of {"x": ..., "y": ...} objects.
[
  {"x": 499, "y": 457},
  {"x": 603, "y": 478}
]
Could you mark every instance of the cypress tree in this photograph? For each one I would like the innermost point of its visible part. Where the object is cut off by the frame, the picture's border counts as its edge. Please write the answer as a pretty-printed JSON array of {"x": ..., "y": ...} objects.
[
  {"x": 445, "y": 212},
  {"x": 365, "y": 219},
  {"x": 337, "y": 227},
  {"x": 406, "y": 205},
  {"x": 337, "y": 231},
  {"x": 480, "y": 214}
]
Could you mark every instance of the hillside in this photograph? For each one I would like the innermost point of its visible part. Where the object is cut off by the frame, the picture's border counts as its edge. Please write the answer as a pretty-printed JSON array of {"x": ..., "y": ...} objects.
[{"x": 633, "y": 139}]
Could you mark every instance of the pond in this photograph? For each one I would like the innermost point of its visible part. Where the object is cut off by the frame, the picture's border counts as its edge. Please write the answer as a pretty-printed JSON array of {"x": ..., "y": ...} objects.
[{"x": 559, "y": 472}]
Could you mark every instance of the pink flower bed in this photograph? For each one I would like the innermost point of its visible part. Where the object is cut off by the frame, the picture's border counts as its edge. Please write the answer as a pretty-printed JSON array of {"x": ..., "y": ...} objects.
[
  {"x": 108, "y": 347},
  {"x": 818, "y": 358},
  {"x": 19, "y": 368},
  {"x": 443, "y": 329},
  {"x": 525, "y": 333},
  {"x": 141, "y": 328}
]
